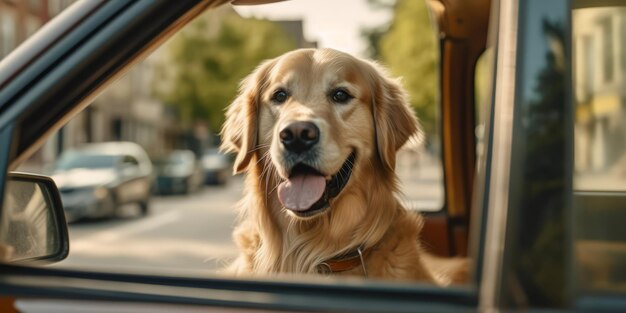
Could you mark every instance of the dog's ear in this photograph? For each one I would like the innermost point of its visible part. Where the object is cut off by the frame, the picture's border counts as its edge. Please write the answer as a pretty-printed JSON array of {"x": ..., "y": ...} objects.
[
  {"x": 239, "y": 133},
  {"x": 394, "y": 119}
]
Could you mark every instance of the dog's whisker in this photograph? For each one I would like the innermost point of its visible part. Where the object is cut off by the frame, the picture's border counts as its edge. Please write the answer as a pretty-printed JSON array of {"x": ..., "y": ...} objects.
[
  {"x": 340, "y": 173},
  {"x": 261, "y": 158},
  {"x": 259, "y": 147},
  {"x": 266, "y": 165},
  {"x": 267, "y": 181},
  {"x": 274, "y": 189},
  {"x": 277, "y": 183},
  {"x": 350, "y": 162},
  {"x": 270, "y": 179},
  {"x": 267, "y": 168}
]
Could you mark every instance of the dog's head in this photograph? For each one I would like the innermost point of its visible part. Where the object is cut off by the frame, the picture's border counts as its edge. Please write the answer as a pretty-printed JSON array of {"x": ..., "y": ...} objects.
[{"x": 318, "y": 115}]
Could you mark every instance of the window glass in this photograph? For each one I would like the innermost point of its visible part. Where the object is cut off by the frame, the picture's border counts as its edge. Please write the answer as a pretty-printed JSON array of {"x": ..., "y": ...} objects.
[
  {"x": 599, "y": 57},
  {"x": 179, "y": 217},
  {"x": 130, "y": 160},
  {"x": 71, "y": 160}
]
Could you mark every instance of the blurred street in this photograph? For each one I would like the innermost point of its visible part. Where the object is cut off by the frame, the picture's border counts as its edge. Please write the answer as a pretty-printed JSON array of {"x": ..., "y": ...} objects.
[
  {"x": 191, "y": 234},
  {"x": 421, "y": 177},
  {"x": 186, "y": 233}
]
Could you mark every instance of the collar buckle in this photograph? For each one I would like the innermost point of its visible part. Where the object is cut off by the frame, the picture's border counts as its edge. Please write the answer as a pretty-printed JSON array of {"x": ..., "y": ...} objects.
[
  {"x": 324, "y": 268},
  {"x": 360, "y": 251}
]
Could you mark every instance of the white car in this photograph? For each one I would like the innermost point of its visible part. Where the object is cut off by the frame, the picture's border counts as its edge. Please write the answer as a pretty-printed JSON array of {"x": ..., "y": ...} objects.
[{"x": 96, "y": 179}]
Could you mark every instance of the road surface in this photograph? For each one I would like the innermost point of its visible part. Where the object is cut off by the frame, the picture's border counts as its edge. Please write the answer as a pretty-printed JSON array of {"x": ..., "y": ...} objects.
[{"x": 182, "y": 234}]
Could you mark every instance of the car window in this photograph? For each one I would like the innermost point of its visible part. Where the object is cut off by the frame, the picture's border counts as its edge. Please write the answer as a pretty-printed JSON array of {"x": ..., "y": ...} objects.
[
  {"x": 599, "y": 63},
  {"x": 173, "y": 221},
  {"x": 74, "y": 160},
  {"x": 129, "y": 159}
]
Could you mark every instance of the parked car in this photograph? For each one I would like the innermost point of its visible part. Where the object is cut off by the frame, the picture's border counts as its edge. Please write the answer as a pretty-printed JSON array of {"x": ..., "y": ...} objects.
[
  {"x": 217, "y": 167},
  {"x": 541, "y": 240},
  {"x": 178, "y": 172},
  {"x": 96, "y": 179}
]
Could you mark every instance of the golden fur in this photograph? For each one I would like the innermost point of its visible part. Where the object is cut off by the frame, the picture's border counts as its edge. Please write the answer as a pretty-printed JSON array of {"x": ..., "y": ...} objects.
[{"x": 375, "y": 124}]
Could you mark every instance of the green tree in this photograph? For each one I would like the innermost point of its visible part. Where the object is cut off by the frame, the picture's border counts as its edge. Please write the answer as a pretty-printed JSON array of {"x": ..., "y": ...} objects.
[
  {"x": 409, "y": 48},
  {"x": 542, "y": 135},
  {"x": 202, "y": 66}
]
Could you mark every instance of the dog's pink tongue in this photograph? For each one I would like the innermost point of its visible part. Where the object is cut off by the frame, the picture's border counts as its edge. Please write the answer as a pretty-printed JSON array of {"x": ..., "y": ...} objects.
[{"x": 300, "y": 192}]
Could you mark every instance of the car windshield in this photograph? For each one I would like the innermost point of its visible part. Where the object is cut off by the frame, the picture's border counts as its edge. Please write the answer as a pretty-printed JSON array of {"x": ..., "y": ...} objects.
[
  {"x": 212, "y": 153},
  {"x": 73, "y": 160},
  {"x": 177, "y": 159},
  {"x": 172, "y": 159}
]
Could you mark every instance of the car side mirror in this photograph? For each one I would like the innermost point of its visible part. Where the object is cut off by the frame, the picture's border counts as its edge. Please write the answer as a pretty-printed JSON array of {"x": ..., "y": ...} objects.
[{"x": 32, "y": 221}]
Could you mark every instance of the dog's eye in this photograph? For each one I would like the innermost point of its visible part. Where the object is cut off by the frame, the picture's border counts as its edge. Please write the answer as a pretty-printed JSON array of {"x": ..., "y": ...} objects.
[
  {"x": 280, "y": 96},
  {"x": 340, "y": 96}
]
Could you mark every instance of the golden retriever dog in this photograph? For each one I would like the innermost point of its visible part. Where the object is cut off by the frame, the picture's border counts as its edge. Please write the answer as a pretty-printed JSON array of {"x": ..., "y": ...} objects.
[{"x": 316, "y": 132}]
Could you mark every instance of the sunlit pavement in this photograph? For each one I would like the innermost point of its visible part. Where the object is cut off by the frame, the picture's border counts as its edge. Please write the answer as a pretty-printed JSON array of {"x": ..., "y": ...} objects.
[{"x": 181, "y": 235}]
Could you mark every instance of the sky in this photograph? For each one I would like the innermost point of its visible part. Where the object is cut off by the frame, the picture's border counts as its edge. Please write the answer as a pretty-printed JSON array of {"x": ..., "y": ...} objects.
[{"x": 333, "y": 24}]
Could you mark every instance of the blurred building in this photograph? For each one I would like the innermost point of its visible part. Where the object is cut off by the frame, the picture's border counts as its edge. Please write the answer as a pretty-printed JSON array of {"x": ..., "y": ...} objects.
[
  {"x": 20, "y": 19},
  {"x": 599, "y": 42},
  {"x": 127, "y": 110},
  {"x": 294, "y": 29}
]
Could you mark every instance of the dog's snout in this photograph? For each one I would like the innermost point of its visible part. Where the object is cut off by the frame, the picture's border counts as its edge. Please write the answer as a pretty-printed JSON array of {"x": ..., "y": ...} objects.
[{"x": 299, "y": 137}]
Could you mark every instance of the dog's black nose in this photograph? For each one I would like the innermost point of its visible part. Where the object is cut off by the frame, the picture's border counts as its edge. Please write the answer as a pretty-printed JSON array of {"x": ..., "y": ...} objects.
[{"x": 299, "y": 137}]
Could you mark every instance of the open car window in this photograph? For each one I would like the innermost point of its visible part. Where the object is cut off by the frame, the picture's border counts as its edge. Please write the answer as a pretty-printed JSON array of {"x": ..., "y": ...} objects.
[{"x": 179, "y": 217}]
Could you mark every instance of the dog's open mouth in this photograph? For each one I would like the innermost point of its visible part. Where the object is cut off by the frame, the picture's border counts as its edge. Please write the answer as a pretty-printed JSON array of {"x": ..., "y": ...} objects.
[{"x": 307, "y": 192}]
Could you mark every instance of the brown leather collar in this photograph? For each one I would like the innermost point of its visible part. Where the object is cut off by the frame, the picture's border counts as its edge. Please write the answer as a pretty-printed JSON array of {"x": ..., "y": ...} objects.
[{"x": 345, "y": 262}]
